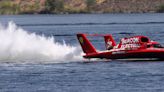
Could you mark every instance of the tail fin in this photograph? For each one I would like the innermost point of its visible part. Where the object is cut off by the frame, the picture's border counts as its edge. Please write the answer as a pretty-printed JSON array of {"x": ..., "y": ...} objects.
[
  {"x": 109, "y": 42},
  {"x": 86, "y": 44}
]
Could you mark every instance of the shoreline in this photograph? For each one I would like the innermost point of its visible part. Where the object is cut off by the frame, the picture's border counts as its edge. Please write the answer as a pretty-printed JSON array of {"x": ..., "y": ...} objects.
[
  {"x": 79, "y": 13},
  {"x": 15, "y": 7}
]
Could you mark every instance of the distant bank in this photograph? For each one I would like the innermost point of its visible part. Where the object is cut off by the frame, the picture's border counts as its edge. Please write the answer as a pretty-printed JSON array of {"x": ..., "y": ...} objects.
[{"x": 80, "y": 6}]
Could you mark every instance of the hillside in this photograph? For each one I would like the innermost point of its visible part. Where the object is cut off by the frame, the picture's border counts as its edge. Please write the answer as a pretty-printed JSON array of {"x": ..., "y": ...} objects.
[{"x": 80, "y": 6}]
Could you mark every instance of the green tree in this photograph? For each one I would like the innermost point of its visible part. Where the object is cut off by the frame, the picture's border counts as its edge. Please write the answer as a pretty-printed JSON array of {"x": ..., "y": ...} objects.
[
  {"x": 54, "y": 6},
  {"x": 90, "y": 4},
  {"x": 160, "y": 8},
  {"x": 7, "y": 7}
]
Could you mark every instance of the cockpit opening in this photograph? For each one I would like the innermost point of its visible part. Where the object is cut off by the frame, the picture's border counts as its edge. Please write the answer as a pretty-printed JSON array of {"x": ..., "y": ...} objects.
[
  {"x": 144, "y": 39},
  {"x": 157, "y": 46}
]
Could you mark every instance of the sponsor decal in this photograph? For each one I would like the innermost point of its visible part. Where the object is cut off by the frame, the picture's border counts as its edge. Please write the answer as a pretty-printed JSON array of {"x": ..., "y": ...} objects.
[
  {"x": 118, "y": 52},
  {"x": 109, "y": 44},
  {"x": 129, "y": 40},
  {"x": 81, "y": 40},
  {"x": 130, "y": 46}
]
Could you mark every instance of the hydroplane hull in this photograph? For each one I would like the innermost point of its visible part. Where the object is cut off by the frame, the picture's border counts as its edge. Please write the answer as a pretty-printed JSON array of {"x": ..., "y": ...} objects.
[{"x": 132, "y": 47}]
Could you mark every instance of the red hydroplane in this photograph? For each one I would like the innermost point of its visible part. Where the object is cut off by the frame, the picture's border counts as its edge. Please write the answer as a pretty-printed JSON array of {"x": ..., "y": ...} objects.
[{"x": 132, "y": 47}]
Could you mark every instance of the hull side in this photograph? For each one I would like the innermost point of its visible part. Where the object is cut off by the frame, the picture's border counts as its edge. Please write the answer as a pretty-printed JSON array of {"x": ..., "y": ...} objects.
[{"x": 143, "y": 53}]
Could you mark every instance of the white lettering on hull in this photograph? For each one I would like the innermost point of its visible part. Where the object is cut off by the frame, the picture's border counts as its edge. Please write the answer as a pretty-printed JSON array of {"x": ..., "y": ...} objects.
[
  {"x": 130, "y": 46},
  {"x": 130, "y": 40}
]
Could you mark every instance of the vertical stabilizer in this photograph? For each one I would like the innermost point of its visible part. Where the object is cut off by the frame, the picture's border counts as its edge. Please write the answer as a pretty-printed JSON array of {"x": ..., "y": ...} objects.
[{"x": 86, "y": 44}]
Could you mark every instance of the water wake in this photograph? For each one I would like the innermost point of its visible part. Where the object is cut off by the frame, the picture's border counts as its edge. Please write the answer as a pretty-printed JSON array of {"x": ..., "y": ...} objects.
[{"x": 17, "y": 45}]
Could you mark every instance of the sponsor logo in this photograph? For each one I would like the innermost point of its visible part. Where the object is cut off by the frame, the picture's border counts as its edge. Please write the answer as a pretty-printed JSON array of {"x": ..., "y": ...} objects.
[
  {"x": 81, "y": 40},
  {"x": 130, "y": 46},
  {"x": 109, "y": 44},
  {"x": 118, "y": 52},
  {"x": 130, "y": 40}
]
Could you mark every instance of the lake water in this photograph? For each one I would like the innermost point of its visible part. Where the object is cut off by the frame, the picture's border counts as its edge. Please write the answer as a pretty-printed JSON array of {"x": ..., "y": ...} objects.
[{"x": 40, "y": 53}]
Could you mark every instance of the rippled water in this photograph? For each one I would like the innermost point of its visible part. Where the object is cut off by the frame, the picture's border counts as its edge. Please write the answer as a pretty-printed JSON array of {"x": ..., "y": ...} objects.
[{"x": 31, "y": 67}]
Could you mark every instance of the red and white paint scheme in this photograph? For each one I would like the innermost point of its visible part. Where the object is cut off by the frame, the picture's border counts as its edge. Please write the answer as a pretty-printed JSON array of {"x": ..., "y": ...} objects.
[{"x": 132, "y": 47}]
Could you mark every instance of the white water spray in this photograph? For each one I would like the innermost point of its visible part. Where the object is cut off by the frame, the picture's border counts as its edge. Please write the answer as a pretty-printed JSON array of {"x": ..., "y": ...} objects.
[{"x": 17, "y": 45}]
